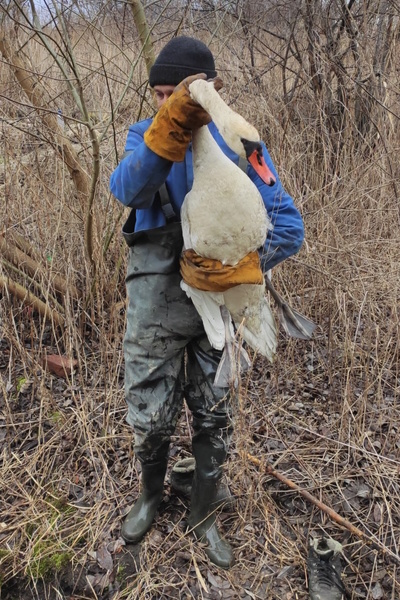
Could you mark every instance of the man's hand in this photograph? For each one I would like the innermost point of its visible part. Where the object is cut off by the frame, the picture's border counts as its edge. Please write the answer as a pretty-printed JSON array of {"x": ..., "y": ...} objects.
[
  {"x": 218, "y": 83},
  {"x": 171, "y": 131},
  {"x": 188, "y": 113},
  {"x": 188, "y": 80}
]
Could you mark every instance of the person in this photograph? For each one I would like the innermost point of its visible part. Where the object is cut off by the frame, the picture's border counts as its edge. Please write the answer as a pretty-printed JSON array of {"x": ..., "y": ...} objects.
[{"x": 168, "y": 357}]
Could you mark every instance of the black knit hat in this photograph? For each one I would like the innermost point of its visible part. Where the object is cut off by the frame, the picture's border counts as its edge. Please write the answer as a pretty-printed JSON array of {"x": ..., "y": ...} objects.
[{"x": 181, "y": 57}]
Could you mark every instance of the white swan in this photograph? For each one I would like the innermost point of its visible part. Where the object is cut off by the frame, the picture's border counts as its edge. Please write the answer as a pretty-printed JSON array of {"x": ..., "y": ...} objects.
[{"x": 224, "y": 218}]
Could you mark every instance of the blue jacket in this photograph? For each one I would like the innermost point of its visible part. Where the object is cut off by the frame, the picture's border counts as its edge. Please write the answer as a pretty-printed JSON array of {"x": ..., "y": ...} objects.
[{"x": 139, "y": 176}]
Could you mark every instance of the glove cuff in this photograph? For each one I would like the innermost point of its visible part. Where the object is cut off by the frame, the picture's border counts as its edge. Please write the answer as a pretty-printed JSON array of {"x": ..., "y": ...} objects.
[{"x": 168, "y": 143}]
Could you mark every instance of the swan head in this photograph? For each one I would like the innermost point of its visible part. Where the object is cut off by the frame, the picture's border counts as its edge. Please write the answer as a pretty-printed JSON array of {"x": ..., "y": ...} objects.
[
  {"x": 238, "y": 134},
  {"x": 244, "y": 139},
  {"x": 254, "y": 155}
]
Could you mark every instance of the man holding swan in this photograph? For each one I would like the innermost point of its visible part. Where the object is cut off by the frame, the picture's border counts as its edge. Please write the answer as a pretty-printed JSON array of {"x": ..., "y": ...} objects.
[{"x": 168, "y": 356}]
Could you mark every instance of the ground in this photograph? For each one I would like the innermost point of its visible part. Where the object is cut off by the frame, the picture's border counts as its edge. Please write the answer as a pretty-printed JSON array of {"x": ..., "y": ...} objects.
[{"x": 69, "y": 476}]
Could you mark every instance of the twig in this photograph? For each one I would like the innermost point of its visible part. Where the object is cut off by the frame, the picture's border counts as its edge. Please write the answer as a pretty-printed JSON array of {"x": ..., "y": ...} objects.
[
  {"x": 326, "y": 509},
  {"x": 26, "y": 297},
  {"x": 38, "y": 285},
  {"x": 23, "y": 261}
]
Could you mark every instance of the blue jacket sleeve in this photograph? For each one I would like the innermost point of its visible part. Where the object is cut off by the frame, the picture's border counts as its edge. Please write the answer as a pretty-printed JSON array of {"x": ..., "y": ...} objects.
[
  {"x": 141, "y": 173},
  {"x": 287, "y": 235}
]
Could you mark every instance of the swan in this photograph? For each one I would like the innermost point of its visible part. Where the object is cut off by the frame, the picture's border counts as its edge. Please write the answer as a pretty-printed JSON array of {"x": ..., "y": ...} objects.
[{"x": 224, "y": 218}]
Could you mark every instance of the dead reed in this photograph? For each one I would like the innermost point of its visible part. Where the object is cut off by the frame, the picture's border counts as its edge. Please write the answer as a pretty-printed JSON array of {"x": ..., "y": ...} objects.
[{"x": 326, "y": 413}]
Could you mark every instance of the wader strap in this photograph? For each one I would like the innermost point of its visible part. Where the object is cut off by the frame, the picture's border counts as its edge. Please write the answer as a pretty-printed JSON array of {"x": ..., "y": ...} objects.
[{"x": 166, "y": 205}]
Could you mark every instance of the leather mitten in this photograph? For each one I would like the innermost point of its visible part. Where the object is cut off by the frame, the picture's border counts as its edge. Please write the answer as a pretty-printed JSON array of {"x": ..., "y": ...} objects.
[{"x": 171, "y": 130}]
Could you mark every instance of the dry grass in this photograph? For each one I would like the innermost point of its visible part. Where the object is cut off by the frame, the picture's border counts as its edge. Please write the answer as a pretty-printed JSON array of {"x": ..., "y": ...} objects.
[{"x": 325, "y": 414}]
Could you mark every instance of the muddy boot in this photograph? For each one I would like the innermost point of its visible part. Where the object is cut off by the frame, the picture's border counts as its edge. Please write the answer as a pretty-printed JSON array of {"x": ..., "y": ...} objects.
[
  {"x": 324, "y": 568},
  {"x": 182, "y": 478},
  {"x": 140, "y": 518},
  {"x": 202, "y": 521}
]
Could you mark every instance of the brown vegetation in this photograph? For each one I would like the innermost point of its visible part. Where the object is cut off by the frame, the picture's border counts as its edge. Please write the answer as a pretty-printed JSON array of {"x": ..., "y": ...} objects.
[{"x": 320, "y": 81}]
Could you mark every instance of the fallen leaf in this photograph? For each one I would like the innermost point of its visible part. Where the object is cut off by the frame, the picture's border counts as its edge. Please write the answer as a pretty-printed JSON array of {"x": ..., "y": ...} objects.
[
  {"x": 217, "y": 581},
  {"x": 97, "y": 582},
  {"x": 377, "y": 513},
  {"x": 363, "y": 491},
  {"x": 377, "y": 591},
  {"x": 284, "y": 572},
  {"x": 62, "y": 366},
  {"x": 155, "y": 538},
  {"x": 118, "y": 545},
  {"x": 212, "y": 580},
  {"x": 104, "y": 558},
  {"x": 228, "y": 593}
]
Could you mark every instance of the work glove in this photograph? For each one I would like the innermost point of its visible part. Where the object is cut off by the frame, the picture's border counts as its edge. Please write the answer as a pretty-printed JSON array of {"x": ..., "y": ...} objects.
[{"x": 171, "y": 130}]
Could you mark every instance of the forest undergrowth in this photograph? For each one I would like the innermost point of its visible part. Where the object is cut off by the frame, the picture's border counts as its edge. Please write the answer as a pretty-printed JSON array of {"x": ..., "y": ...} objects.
[{"x": 325, "y": 414}]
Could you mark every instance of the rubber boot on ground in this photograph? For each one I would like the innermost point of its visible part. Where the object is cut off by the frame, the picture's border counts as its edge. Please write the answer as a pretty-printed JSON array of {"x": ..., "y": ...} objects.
[
  {"x": 182, "y": 478},
  {"x": 203, "y": 523},
  {"x": 141, "y": 516}
]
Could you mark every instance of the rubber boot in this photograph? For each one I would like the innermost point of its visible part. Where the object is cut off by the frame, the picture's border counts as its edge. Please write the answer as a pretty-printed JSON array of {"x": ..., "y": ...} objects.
[
  {"x": 203, "y": 523},
  {"x": 182, "y": 478},
  {"x": 141, "y": 516}
]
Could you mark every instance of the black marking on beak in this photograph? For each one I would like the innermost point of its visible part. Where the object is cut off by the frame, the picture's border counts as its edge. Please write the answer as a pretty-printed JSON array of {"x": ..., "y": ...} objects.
[{"x": 250, "y": 147}]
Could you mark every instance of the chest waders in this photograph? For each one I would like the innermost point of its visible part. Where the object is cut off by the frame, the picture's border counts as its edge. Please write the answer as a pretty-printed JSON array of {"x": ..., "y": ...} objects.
[{"x": 162, "y": 324}]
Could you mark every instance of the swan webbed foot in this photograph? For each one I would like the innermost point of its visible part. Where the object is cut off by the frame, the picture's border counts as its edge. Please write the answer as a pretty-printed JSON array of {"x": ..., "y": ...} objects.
[
  {"x": 294, "y": 323},
  {"x": 229, "y": 370}
]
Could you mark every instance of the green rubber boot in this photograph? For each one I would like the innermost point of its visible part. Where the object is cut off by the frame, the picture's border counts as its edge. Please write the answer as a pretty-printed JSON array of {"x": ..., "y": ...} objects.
[
  {"x": 182, "y": 478},
  {"x": 203, "y": 524},
  {"x": 141, "y": 516}
]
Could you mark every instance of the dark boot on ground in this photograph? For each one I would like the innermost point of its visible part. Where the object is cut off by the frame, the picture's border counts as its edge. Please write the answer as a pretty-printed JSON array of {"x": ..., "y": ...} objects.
[
  {"x": 141, "y": 516},
  {"x": 203, "y": 523},
  {"x": 182, "y": 478},
  {"x": 324, "y": 568}
]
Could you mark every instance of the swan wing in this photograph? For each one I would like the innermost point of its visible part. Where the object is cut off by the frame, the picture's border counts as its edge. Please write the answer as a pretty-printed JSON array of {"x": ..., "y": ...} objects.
[
  {"x": 185, "y": 222},
  {"x": 264, "y": 339},
  {"x": 223, "y": 215},
  {"x": 252, "y": 314}
]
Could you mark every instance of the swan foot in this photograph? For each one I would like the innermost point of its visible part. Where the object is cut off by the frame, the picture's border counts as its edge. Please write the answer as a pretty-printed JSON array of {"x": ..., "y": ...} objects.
[
  {"x": 294, "y": 323},
  {"x": 228, "y": 371}
]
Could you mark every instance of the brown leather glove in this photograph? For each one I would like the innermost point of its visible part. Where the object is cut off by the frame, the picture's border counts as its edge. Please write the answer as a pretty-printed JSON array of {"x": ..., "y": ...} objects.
[
  {"x": 211, "y": 275},
  {"x": 171, "y": 130}
]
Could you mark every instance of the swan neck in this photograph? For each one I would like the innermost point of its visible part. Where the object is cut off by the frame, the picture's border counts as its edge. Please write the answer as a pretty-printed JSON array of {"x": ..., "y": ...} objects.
[{"x": 201, "y": 140}]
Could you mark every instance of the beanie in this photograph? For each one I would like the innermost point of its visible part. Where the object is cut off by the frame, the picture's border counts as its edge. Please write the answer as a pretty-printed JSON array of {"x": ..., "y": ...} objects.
[{"x": 181, "y": 57}]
